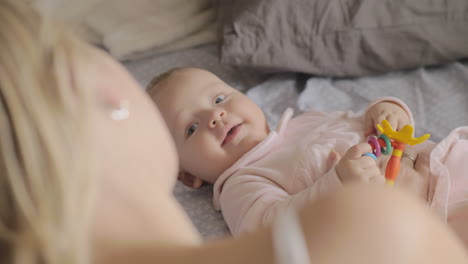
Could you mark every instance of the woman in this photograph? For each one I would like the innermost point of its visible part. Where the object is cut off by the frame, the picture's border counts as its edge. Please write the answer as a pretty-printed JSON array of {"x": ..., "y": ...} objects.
[{"x": 87, "y": 169}]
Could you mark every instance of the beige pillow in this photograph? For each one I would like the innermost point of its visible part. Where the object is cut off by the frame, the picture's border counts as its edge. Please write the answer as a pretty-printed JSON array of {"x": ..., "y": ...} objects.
[{"x": 130, "y": 29}]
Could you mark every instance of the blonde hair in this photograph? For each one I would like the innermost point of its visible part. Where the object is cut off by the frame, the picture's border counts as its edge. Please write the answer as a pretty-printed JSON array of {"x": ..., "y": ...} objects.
[{"x": 45, "y": 170}]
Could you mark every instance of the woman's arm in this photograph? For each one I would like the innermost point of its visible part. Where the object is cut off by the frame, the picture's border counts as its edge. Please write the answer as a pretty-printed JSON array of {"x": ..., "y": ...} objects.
[{"x": 359, "y": 224}]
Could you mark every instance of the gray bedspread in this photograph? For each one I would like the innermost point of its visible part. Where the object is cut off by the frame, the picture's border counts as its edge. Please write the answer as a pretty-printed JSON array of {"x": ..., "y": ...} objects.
[
  {"x": 342, "y": 37},
  {"x": 437, "y": 96}
]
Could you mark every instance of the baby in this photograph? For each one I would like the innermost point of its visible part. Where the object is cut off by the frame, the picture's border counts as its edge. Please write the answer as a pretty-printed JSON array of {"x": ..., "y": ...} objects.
[{"x": 223, "y": 139}]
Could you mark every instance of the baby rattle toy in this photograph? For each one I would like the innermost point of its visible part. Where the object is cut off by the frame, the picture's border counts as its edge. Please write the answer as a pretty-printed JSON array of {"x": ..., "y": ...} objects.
[{"x": 394, "y": 142}]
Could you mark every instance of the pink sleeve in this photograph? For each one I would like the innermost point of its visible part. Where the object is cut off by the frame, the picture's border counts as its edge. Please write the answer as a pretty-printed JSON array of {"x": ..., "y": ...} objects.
[
  {"x": 245, "y": 199},
  {"x": 248, "y": 202},
  {"x": 326, "y": 183},
  {"x": 392, "y": 100}
]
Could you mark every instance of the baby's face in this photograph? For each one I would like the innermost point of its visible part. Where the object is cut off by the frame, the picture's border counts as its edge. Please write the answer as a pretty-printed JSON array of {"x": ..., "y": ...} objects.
[{"x": 213, "y": 124}]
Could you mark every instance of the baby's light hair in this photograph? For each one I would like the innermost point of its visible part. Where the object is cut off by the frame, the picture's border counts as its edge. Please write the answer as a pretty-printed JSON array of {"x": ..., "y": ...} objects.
[
  {"x": 157, "y": 83},
  {"x": 45, "y": 168}
]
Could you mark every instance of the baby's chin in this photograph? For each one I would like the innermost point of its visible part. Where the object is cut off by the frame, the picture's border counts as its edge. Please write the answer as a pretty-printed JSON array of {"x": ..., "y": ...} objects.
[
  {"x": 220, "y": 169},
  {"x": 212, "y": 176}
]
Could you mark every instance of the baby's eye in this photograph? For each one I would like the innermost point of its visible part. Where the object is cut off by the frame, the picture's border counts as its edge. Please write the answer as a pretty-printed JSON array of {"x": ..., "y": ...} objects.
[
  {"x": 192, "y": 129},
  {"x": 219, "y": 99}
]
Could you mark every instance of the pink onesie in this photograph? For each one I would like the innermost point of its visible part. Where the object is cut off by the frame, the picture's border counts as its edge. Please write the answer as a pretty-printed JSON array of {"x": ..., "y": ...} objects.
[{"x": 291, "y": 167}]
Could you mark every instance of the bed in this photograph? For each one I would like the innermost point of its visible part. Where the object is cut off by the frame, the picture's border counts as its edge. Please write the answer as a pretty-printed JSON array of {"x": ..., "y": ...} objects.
[
  {"x": 438, "y": 97},
  {"x": 325, "y": 55}
]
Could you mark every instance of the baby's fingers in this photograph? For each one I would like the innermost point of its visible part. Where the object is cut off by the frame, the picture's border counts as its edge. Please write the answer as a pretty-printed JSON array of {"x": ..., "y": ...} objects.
[
  {"x": 369, "y": 174},
  {"x": 403, "y": 122},
  {"x": 367, "y": 162},
  {"x": 357, "y": 151},
  {"x": 377, "y": 179},
  {"x": 394, "y": 122},
  {"x": 370, "y": 127}
]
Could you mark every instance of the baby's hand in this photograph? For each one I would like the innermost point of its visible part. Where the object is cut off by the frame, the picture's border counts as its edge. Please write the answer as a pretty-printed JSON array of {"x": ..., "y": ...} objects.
[
  {"x": 354, "y": 167},
  {"x": 395, "y": 114}
]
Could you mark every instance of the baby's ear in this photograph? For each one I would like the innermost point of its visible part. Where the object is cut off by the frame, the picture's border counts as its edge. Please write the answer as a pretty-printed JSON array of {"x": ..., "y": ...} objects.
[{"x": 189, "y": 180}]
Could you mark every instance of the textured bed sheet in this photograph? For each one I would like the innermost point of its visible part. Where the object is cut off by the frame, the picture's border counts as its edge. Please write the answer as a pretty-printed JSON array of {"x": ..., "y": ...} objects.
[{"x": 437, "y": 96}]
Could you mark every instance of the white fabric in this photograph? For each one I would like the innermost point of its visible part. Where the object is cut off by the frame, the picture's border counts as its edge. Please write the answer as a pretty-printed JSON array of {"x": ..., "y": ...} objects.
[{"x": 437, "y": 96}]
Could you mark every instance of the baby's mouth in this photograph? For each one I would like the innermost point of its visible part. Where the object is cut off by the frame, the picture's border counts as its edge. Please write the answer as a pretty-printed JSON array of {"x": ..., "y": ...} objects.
[{"x": 231, "y": 134}]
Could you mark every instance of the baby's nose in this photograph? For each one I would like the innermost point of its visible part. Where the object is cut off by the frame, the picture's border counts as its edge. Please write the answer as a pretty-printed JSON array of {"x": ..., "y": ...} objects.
[{"x": 216, "y": 118}]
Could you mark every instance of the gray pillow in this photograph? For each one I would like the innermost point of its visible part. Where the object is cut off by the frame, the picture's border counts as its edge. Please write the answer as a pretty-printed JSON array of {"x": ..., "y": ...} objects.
[{"x": 342, "y": 37}]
